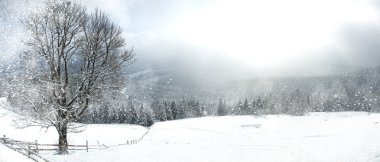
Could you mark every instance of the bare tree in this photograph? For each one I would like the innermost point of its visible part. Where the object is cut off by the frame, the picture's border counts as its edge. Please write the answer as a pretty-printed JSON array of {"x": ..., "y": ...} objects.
[{"x": 74, "y": 57}]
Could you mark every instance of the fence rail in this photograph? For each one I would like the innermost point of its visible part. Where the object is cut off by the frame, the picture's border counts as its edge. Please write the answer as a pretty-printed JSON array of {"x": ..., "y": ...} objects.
[
  {"x": 36, "y": 147},
  {"x": 32, "y": 149},
  {"x": 19, "y": 146},
  {"x": 135, "y": 141}
]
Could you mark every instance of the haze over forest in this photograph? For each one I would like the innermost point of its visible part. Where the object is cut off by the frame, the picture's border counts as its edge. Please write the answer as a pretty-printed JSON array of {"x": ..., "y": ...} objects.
[{"x": 196, "y": 47}]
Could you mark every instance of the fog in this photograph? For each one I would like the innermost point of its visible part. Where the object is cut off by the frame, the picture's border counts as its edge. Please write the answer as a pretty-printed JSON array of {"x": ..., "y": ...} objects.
[
  {"x": 238, "y": 39},
  {"x": 232, "y": 40}
]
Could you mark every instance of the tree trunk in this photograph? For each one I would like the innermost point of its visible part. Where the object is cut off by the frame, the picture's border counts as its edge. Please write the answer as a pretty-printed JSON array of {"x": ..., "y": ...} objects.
[{"x": 62, "y": 141}]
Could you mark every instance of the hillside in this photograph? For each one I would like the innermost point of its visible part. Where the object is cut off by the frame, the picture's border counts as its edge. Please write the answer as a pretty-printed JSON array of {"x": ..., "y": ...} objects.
[{"x": 148, "y": 85}]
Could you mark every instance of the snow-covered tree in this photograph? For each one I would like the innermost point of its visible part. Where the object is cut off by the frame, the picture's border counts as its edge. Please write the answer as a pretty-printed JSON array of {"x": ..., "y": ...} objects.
[
  {"x": 145, "y": 118},
  {"x": 181, "y": 110},
  {"x": 74, "y": 57},
  {"x": 142, "y": 116},
  {"x": 161, "y": 113},
  {"x": 132, "y": 117},
  {"x": 254, "y": 107},
  {"x": 168, "y": 111},
  {"x": 221, "y": 109},
  {"x": 174, "y": 110},
  {"x": 259, "y": 104},
  {"x": 245, "y": 108}
]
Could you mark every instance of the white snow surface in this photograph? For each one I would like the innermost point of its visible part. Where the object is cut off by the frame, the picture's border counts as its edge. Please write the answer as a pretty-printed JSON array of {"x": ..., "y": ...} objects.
[
  {"x": 8, "y": 155},
  {"x": 94, "y": 133},
  {"x": 316, "y": 137},
  {"x": 319, "y": 137}
]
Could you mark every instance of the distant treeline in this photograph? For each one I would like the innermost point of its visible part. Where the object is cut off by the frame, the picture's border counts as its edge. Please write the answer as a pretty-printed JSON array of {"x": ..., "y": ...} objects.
[
  {"x": 296, "y": 102},
  {"x": 354, "y": 93},
  {"x": 125, "y": 113}
]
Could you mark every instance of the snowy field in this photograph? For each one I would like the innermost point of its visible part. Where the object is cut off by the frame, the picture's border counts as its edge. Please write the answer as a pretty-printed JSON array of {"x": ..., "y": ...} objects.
[
  {"x": 7, "y": 154},
  {"x": 319, "y": 137}
]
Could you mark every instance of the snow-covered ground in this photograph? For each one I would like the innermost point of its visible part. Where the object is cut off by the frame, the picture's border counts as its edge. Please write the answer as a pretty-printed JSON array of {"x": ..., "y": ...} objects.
[
  {"x": 8, "y": 155},
  {"x": 319, "y": 137},
  {"x": 94, "y": 133}
]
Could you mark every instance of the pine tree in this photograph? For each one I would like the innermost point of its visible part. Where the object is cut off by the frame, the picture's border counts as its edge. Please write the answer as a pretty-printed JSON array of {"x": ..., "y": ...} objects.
[
  {"x": 115, "y": 116},
  {"x": 149, "y": 120},
  {"x": 238, "y": 108},
  {"x": 169, "y": 115},
  {"x": 181, "y": 110},
  {"x": 245, "y": 108},
  {"x": 202, "y": 110},
  {"x": 221, "y": 110},
  {"x": 122, "y": 114},
  {"x": 254, "y": 107},
  {"x": 161, "y": 114},
  {"x": 132, "y": 117},
  {"x": 156, "y": 109},
  {"x": 174, "y": 110},
  {"x": 198, "y": 109},
  {"x": 259, "y": 104},
  {"x": 142, "y": 116}
]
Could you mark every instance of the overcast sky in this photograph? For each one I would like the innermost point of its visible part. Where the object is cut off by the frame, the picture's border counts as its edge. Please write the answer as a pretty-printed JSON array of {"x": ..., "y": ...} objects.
[{"x": 240, "y": 37}]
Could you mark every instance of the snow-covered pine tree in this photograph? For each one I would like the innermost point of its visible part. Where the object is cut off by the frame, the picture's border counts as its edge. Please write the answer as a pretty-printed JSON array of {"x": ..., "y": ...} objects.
[
  {"x": 149, "y": 119},
  {"x": 168, "y": 111},
  {"x": 198, "y": 109},
  {"x": 254, "y": 107},
  {"x": 181, "y": 110},
  {"x": 132, "y": 117},
  {"x": 123, "y": 111},
  {"x": 174, "y": 110},
  {"x": 161, "y": 113},
  {"x": 221, "y": 109},
  {"x": 142, "y": 116},
  {"x": 259, "y": 104},
  {"x": 245, "y": 108}
]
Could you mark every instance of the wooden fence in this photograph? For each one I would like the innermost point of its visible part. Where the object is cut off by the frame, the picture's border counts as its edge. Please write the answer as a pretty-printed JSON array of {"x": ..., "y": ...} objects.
[
  {"x": 134, "y": 141},
  {"x": 19, "y": 146},
  {"x": 37, "y": 147},
  {"x": 32, "y": 149}
]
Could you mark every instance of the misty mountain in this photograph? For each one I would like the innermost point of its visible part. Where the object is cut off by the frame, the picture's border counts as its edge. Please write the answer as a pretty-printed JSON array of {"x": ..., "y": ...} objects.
[{"x": 156, "y": 84}]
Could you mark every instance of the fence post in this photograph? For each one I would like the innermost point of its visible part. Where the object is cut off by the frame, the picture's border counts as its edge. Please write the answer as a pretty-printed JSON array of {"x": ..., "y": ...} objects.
[
  {"x": 86, "y": 145},
  {"x": 29, "y": 148},
  {"x": 4, "y": 139},
  {"x": 99, "y": 146},
  {"x": 37, "y": 151}
]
